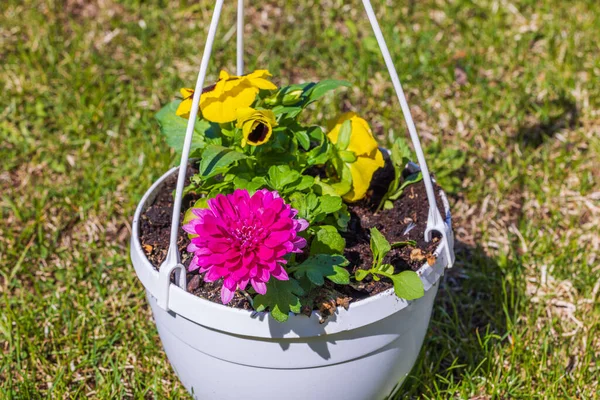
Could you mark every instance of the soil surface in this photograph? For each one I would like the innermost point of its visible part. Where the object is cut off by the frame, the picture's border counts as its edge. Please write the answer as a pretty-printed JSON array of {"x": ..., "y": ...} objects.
[{"x": 406, "y": 221}]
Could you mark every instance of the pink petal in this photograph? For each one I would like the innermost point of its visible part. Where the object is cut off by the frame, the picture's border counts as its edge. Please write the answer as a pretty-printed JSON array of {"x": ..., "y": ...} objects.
[
  {"x": 193, "y": 264},
  {"x": 265, "y": 253},
  {"x": 282, "y": 224},
  {"x": 280, "y": 273},
  {"x": 299, "y": 243},
  {"x": 247, "y": 259},
  {"x": 276, "y": 205},
  {"x": 230, "y": 283},
  {"x": 218, "y": 246},
  {"x": 192, "y": 247},
  {"x": 242, "y": 284},
  {"x": 190, "y": 227},
  {"x": 201, "y": 213},
  {"x": 300, "y": 224},
  {"x": 211, "y": 275},
  {"x": 260, "y": 287},
  {"x": 268, "y": 217},
  {"x": 263, "y": 274},
  {"x": 241, "y": 200},
  {"x": 226, "y": 295},
  {"x": 256, "y": 201},
  {"x": 277, "y": 237}
]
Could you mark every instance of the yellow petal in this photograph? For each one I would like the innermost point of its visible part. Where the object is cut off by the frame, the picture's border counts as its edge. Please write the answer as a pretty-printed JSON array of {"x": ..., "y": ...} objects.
[
  {"x": 243, "y": 114},
  {"x": 184, "y": 108},
  {"x": 334, "y": 126},
  {"x": 270, "y": 116},
  {"x": 259, "y": 79},
  {"x": 223, "y": 75},
  {"x": 361, "y": 140},
  {"x": 185, "y": 92},
  {"x": 234, "y": 82},
  {"x": 263, "y": 84},
  {"x": 223, "y": 108},
  {"x": 259, "y": 73},
  {"x": 362, "y": 171}
]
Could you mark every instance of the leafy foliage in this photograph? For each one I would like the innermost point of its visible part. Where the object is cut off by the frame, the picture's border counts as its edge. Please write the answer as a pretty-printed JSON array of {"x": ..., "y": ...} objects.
[
  {"x": 216, "y": 158},
  {"x": 321, "y": 266},
  {"x": 327, "y": 240},
  {"x": 281, "y": 298},
  {"x": 407, "y": 284},
  {"x": 400, "y": 155},
  {"x": 174, "y": 128}
]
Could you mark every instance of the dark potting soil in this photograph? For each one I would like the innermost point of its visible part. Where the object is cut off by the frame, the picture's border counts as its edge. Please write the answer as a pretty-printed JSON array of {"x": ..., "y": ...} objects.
[{"x": 406, "y": 221}]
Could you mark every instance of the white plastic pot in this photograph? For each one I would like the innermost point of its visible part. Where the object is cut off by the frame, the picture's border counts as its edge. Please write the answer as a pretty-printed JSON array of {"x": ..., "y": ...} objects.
[{"x": 220, "y": 352}]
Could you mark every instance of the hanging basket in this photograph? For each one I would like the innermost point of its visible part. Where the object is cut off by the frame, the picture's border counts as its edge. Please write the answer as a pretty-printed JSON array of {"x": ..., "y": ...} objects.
[{"x": 218, "y": 352}]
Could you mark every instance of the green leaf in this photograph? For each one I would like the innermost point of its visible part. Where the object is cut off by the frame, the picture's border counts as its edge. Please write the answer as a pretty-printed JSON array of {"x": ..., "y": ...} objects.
[
  {"x": 320, "y": 154},
  {"x": 413, "y": 178},
  {"x": 345, "y": 184},
  {"x": 303, "y": 139},
  {"x": 316, "y": 133},
  {"x": 318, "y": 267},
  {"x": 408, "y": 285},
  {"x": 343, "y": 139},
  {"x": 327, "y": 241},
  {"x": 305, "y": 183},
  {"x": 251, "y": 186},
  {"x": 347, "y": 156},
  {"x": 340, "y": 277},
  {"x": 321, "y": 88},
  {"x": 216, "y": 157},
  {"x": 289, "y": 112},
  {"x": 329, "y": 204},
  {"x": 173, "y": 128},
  {"x": 281, "y": 176},
  {"x": 386, "y": 269},
  {"x": 379, "y": 245},
  {"x": 361, "y": 274},
  {"x": 305, "y": 204},
  {"x": 396, "y": 245},
  {"x": 322, "y": 188},
  {"x": 401, "y": 153},
  {"x": 281, "y": 298}
]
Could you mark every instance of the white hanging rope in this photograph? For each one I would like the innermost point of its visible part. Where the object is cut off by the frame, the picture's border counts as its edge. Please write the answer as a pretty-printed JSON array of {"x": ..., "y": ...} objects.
[
  {"x": 240, "y": 38},
  {"x": 435, "y": 222},
  {"x": 173, "y": 256}
]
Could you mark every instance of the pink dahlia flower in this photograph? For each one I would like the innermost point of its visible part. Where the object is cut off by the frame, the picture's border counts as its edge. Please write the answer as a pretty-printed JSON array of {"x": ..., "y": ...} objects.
[{"x": 244, "y": 239}]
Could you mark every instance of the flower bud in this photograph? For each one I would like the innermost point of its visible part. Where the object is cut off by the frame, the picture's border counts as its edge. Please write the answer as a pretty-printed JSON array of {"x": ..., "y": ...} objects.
[{"x": 292, "y": 97}]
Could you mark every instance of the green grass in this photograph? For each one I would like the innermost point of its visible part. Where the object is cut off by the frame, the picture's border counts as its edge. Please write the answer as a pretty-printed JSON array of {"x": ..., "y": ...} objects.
[{"x": 517, "y": 143}]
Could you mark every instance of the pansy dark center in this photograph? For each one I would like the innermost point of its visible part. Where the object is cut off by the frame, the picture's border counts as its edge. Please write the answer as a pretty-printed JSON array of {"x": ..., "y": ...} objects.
[{"x": 259, "y": 132}]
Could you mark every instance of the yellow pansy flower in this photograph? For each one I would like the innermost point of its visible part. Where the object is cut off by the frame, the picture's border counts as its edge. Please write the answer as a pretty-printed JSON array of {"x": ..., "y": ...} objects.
[
  {"x": 233, "y": 92},
  {"x": 257, "y": 125},
  {"x": 368, "y": 157},
  {"x": 220, "y": 101}
]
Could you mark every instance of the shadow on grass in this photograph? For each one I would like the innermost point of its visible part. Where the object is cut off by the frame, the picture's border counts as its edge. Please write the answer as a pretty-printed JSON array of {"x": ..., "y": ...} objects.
[
  {"x": 554, "y": 116},
  {"x": 471, "y": 317}
]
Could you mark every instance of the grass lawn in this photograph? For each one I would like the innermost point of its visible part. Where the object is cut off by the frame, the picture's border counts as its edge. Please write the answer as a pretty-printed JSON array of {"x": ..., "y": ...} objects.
[{"x": 506, "y": 96}]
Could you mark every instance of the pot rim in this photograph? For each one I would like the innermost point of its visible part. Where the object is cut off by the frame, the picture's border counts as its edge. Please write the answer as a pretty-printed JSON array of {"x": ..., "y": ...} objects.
[{"x": 261, "y": 324}]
